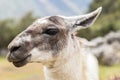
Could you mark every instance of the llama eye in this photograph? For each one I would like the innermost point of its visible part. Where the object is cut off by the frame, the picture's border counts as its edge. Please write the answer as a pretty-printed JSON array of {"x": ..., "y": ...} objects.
[{"x": 51, "y": 31}]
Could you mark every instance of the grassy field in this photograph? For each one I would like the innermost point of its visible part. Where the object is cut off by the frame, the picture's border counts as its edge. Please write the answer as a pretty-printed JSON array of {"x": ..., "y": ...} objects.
[
  {"x": 33, "y": 71},
  {"x": 107, "y": 72},
  {"x": 28, "y": 72}
]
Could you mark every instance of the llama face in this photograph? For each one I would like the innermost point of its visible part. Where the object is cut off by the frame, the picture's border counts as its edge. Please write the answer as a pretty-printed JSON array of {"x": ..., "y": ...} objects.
[
  {"x": 40, "y": 42},
  {"x": 46, "y": 38}
]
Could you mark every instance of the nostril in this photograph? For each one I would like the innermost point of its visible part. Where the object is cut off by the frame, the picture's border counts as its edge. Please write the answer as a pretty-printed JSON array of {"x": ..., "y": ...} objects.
[{"x": 14, "y": 48}]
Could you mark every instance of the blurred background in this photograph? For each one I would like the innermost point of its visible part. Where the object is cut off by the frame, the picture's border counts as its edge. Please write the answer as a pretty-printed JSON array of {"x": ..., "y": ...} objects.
[{"x": 16, "y": 15}]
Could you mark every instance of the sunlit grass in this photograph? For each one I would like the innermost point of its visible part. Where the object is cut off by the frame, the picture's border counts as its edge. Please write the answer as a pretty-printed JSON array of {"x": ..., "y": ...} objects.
[
  {"x": 107, "y": 72},
  {"x": 34, "y": 71},
  {"x": 28, "y": 72}
]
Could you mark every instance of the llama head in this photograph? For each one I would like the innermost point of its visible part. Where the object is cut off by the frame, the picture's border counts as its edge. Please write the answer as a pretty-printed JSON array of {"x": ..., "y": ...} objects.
[{"x": 46, "y": 38}]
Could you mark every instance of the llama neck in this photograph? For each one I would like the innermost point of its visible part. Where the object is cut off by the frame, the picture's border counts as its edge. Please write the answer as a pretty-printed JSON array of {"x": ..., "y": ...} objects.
[{"x": 69, "y": 68}]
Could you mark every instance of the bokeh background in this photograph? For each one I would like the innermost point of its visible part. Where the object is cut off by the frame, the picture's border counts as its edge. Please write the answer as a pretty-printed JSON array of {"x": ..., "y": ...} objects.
[{"x": 16, "y": 15}]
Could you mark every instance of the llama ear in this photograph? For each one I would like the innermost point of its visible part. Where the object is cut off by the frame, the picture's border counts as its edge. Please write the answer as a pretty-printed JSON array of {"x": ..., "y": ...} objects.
[{"x": 78, "y": 22}]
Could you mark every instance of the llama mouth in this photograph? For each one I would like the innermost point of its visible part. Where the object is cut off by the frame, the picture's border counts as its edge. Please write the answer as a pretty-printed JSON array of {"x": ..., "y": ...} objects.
[{"x": 22, "y": 62}]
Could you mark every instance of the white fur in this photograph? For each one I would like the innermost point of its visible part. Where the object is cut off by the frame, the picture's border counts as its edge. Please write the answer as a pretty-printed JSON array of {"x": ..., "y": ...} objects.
[
  {"x": 80, "y": 66},
  {"x": 40, "y": 56},
  {"x": 42, "y": 21},
  {"x": 26, "y": 38}
]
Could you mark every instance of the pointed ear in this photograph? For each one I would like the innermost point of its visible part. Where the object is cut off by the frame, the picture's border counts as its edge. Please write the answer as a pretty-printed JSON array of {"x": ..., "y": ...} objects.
[{"x": 77, "y": 22}]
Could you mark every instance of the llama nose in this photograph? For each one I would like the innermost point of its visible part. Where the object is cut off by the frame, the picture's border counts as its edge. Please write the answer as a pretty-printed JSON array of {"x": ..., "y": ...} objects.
[
  {"x": 14, "y": 53},
  {"x": 14, "y": 48}
]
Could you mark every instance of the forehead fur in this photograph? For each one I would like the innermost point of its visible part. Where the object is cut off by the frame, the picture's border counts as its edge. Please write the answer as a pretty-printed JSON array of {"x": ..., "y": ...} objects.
[
  {"x": 56, "y": 20},
  {"x": 45, "y": 22}
]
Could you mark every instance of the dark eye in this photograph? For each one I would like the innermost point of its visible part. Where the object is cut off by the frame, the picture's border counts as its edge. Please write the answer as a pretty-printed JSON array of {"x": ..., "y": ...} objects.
[{"x": 51, "y": 31}]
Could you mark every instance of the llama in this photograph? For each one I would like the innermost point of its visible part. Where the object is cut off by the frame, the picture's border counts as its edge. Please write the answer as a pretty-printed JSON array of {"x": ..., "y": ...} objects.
[{"x": 52, "y": 42}]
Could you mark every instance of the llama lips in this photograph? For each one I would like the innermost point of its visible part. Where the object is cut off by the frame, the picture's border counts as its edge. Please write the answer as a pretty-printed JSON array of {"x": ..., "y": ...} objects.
[{"x": 22, "y": 62}]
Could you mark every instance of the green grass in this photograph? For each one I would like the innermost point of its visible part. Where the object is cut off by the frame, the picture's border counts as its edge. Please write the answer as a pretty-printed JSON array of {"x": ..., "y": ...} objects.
[
  {"x": 107, "y": 72},
  {"x": 34, "y": 71}
]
